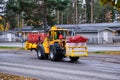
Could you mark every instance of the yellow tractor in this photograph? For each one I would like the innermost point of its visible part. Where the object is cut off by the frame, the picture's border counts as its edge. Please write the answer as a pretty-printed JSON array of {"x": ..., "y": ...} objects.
[{"x": 54, "y": 45}]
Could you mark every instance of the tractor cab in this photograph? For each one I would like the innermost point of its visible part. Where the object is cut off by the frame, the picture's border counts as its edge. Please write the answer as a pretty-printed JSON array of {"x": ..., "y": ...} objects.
[{"x": 58, "y": 35}]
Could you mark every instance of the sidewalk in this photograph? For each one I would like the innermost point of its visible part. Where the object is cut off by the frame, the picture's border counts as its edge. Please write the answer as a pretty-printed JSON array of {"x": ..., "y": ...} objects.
[
  {"x": 107, "y": 45},
  {"x": 13, "y": 44}
]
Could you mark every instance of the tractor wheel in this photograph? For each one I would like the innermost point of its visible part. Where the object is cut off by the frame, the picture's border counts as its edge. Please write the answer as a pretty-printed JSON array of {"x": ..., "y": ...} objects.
[
  {"x": 40, "y": 52},
  {"x": 74, "y": 58},
  {"x": 52, "y": 55}
]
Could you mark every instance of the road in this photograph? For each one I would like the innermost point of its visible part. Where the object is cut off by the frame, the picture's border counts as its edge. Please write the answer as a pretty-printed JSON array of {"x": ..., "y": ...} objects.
[{"x": 25, "y": 63}]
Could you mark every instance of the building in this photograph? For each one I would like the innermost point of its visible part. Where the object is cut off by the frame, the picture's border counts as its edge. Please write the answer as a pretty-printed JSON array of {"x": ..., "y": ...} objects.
[
  {"x": 98, "y": 33},
  {"x": 17, "y": 34},
  {"x": 8, "y": 36}
]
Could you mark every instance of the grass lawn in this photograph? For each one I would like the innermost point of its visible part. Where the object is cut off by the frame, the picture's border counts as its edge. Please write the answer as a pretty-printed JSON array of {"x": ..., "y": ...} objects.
[
  {"x": 10, "y": 47},
  {"x": 106, "y": 52}
]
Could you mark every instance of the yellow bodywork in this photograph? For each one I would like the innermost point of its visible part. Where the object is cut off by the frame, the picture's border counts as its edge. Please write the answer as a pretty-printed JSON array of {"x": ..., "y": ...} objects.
[
  {"x": 46, "y": 45},
  {"x": 29, "y": 45},
  {"x": 76, "y": 51}
]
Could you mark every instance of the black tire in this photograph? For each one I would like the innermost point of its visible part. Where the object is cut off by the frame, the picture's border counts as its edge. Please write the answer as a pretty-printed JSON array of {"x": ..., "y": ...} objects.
[
  {"x": 52, "y": 55},
  {"x": 60, "y": 53},
  {"x": 40, "y": 52},
  {"x": 74, "y": 58},
  {"x": 46, "y": 56}
]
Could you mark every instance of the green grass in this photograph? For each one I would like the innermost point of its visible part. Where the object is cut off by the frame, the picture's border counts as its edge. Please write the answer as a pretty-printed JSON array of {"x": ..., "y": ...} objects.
[
  {"x": 106, "y": 52},
  {"x": 9, "y": 47}
]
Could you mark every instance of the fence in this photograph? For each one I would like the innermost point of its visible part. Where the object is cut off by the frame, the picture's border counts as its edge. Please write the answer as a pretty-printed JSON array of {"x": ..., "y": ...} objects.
[
  {"x": 116, "y": 39},
  {"x": 101, "y": 40},
  {"x": 10, "y": 40}
]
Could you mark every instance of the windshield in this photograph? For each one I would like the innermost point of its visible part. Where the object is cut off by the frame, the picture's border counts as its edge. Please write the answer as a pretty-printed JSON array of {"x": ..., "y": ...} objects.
[{"x": 60, "y": 33}]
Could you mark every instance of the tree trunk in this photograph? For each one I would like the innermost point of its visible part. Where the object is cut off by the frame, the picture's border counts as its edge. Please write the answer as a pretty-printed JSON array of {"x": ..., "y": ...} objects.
[
  {"x": 88, "y": 10},
  {"x": 92, "y": 11},
  {"x": 58, "y": 17},
  {"x": 45, "y": 16},
  {"x": 76, "y": 12}
]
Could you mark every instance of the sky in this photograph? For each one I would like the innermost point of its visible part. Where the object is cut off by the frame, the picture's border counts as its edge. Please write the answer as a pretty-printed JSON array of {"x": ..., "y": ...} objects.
[
  {"x": 83, "y": 1},
  {"x": 1, "y": 9}
]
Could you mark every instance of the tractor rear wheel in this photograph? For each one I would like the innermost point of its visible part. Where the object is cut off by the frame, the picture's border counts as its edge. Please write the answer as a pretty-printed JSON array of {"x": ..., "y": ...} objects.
[
  {"x": 74, "y": 58},
  {"x": 40, "y": 52}
]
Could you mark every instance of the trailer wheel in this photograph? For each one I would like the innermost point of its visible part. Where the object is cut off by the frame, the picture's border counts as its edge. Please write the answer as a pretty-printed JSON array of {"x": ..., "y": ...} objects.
[
  {"x": 74, "y": 58},
  {"x": 40, "y": 52},
  {"x": 52, "y": 55}
]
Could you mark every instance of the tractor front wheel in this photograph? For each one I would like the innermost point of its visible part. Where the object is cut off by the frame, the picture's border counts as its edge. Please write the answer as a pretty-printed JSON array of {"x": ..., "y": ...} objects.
[{"x": 40, "y": 52}]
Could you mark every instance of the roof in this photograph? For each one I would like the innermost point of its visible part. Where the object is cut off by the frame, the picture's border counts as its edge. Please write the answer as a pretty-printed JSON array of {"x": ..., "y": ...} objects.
[
  {"x": 92, "y": 27},
  {"x": 24, "y": 28},
  {"x": 27, "y": 29},
  {"x": 10, "y": 31},
  {"x": 115, "y": 28},
  {"x": 109, "y": 29}
]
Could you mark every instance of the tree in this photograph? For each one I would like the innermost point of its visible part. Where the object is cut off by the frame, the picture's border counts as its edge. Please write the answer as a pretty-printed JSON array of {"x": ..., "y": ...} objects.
[
  {"x": 99, "y": 14},
  {"x": 113, "y": 3},
  {"x": 57, "y": 7},
  {"x": 1, "y": 24},
  {"x": 96, "y": 13},
  {"x": 33, "y": 13},
  {"x": 112, "y": 8},
  {"x": 17, "y": 8},
  {"x": 2, "y": 21}
]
